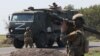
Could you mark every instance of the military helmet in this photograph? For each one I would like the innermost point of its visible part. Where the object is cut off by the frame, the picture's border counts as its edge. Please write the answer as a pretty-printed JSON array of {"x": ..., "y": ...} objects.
[
  {"x": 27, "y": 28},
  {"x": 31, "y": 8},
  {"x": 77, "y": 16},
  {"x": 54, "y": 4},
  {"x": 79, "y": 20}
]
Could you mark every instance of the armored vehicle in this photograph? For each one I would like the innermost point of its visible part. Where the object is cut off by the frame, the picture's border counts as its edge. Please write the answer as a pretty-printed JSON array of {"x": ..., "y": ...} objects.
[{"x": 44, "y": 24}]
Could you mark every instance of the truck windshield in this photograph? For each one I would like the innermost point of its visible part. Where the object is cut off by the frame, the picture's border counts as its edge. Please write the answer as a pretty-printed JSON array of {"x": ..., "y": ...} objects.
[{"x": 22, "y": 17}]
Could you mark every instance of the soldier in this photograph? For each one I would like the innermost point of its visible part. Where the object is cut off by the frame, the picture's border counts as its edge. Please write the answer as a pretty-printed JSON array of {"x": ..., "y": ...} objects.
[
  {"x": 77, "y": 43},
  {"x": 55, "y": 7},
  {"x": 28, "y": 38},
  {"x": 31, "y": 8},
  {"x": 79, "y": 22}
]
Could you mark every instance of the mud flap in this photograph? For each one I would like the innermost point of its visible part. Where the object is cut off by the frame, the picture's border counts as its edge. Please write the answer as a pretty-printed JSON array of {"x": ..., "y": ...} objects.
[{"x": 41, "y": 40}]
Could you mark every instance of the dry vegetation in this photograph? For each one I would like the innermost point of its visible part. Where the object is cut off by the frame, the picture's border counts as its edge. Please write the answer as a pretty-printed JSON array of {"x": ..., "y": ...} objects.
[
  {"x": 4, "y": 42},
  {"x": 94, "y": 52},
  {"x": 2, "y": 37},
  {"x": 93, "y": 39}
]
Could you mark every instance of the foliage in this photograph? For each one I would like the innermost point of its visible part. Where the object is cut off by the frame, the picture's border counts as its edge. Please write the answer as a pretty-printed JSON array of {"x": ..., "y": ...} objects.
[
  {"x": 93, "y": 52},
  {"x": 69, "y": 7},
  {"x": 92, "y": 16},
  {"x": 93, "y": 39}
]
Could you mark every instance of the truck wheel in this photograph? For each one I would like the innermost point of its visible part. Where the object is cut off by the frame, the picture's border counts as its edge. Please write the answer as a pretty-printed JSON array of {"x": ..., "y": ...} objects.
[
  {"x": 41, "y": 40},
  {"x": 18, "y": 44},
  {"x": 40, "y": 45},
  {"x": 50, "y": 43}
]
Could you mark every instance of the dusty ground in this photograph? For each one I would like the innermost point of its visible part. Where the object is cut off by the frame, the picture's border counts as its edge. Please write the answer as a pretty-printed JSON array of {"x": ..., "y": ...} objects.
[
  {"x": 38, "y": 52},
  {"x": 6, "y": 51}
]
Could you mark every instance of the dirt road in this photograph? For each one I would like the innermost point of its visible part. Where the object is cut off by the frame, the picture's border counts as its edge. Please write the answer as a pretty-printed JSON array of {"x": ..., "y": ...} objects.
[{"x": 6, "y": 51}]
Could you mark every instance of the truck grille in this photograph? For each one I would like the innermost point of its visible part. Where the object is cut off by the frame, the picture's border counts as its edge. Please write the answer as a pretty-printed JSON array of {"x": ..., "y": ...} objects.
[{"x": 18, "y": 31}]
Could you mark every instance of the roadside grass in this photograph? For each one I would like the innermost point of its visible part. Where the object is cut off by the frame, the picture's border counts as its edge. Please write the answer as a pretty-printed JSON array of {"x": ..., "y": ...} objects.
[
  {"x": 93, "y": 52},
  {"x": 4, "y": 45},
  {"x": 2, "y": 37},
  {"x": 93, "y": 39},
  {"x": 2, "y": 40}
]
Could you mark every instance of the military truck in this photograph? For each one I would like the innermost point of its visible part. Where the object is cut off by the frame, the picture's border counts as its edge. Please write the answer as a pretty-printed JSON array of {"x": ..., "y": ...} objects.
[{"x": 44, "y": 23}]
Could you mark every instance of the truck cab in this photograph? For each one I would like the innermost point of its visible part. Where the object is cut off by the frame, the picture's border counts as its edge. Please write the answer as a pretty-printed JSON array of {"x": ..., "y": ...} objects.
[{"x": 20, "y": 20}]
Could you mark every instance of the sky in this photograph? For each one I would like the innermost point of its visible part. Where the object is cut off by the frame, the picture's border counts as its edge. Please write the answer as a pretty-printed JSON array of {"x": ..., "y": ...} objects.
[{"x": 7, "y": 7}]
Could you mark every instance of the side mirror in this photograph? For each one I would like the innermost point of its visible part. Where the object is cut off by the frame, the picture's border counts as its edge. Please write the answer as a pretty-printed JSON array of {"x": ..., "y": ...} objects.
[{"x": 9, "y": 18}]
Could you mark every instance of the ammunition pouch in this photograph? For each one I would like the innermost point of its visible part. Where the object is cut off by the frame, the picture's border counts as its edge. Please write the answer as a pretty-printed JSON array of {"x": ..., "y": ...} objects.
[{"x": 72, "y": 37}]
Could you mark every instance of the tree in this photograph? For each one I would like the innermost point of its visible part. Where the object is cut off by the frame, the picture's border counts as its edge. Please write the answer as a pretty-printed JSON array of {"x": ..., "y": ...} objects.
[
  {"x": 92, "y": 16},
  {"x": 69, "y": 7}
]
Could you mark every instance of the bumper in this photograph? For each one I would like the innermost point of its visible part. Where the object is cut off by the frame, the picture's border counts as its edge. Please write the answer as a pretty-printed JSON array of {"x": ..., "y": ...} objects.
[{"x": 17, "y": 36}]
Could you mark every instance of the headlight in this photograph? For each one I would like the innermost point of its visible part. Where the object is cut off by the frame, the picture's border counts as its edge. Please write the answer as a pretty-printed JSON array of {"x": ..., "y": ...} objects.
[{"x": 11, "y": 30}]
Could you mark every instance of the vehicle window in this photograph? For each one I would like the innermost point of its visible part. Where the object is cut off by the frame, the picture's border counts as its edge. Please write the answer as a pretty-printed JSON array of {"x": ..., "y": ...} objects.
[{"x": 22, "y": 17}]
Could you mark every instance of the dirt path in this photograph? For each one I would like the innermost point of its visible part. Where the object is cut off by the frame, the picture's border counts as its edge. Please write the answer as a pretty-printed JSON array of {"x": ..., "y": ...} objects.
[{"x": 6, "y": 51}]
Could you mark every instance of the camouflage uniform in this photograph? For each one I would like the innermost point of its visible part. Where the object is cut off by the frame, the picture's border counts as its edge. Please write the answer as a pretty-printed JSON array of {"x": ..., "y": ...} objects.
[
  {"x": 79, "y": 21},
  {"x": 77, "y": 44},
  {"x": 27, "y": 38}
]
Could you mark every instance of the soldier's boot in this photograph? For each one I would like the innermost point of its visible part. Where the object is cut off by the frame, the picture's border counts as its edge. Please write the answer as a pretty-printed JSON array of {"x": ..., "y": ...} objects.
[
  {"x": 70, "y": 52},
  {"x": 31, "y": 45},
  {"x": 26, "y": 45}
]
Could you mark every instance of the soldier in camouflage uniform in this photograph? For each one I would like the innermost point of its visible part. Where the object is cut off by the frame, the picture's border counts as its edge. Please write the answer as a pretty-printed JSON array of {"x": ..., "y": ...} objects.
[
  {"x": 77, "y": 44},
  {"x": 55, "y": 7},
  {"x": 28, "y": 38}
]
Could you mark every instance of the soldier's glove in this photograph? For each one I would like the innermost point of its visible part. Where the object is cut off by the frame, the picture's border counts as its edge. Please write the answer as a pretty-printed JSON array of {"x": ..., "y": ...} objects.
[{"x": 63, "y": 38}]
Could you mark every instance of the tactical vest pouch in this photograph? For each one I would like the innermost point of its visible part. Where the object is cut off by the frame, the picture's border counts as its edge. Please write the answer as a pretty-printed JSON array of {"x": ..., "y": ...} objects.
[{"x": 74, "y": 35}]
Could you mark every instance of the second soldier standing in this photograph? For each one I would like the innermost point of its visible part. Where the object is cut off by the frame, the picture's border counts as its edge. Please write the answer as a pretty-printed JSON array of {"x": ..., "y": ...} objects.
[{"x": 28, "y": 38}]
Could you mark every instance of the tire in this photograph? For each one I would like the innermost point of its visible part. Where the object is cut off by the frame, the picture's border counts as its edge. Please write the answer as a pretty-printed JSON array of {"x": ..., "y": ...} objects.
[
  {"x": 18, "y": 44},
  {"x": 40, "y": 40},
  {"x": 50, "y": 43},
  {"x": 51, "y": 40}
]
